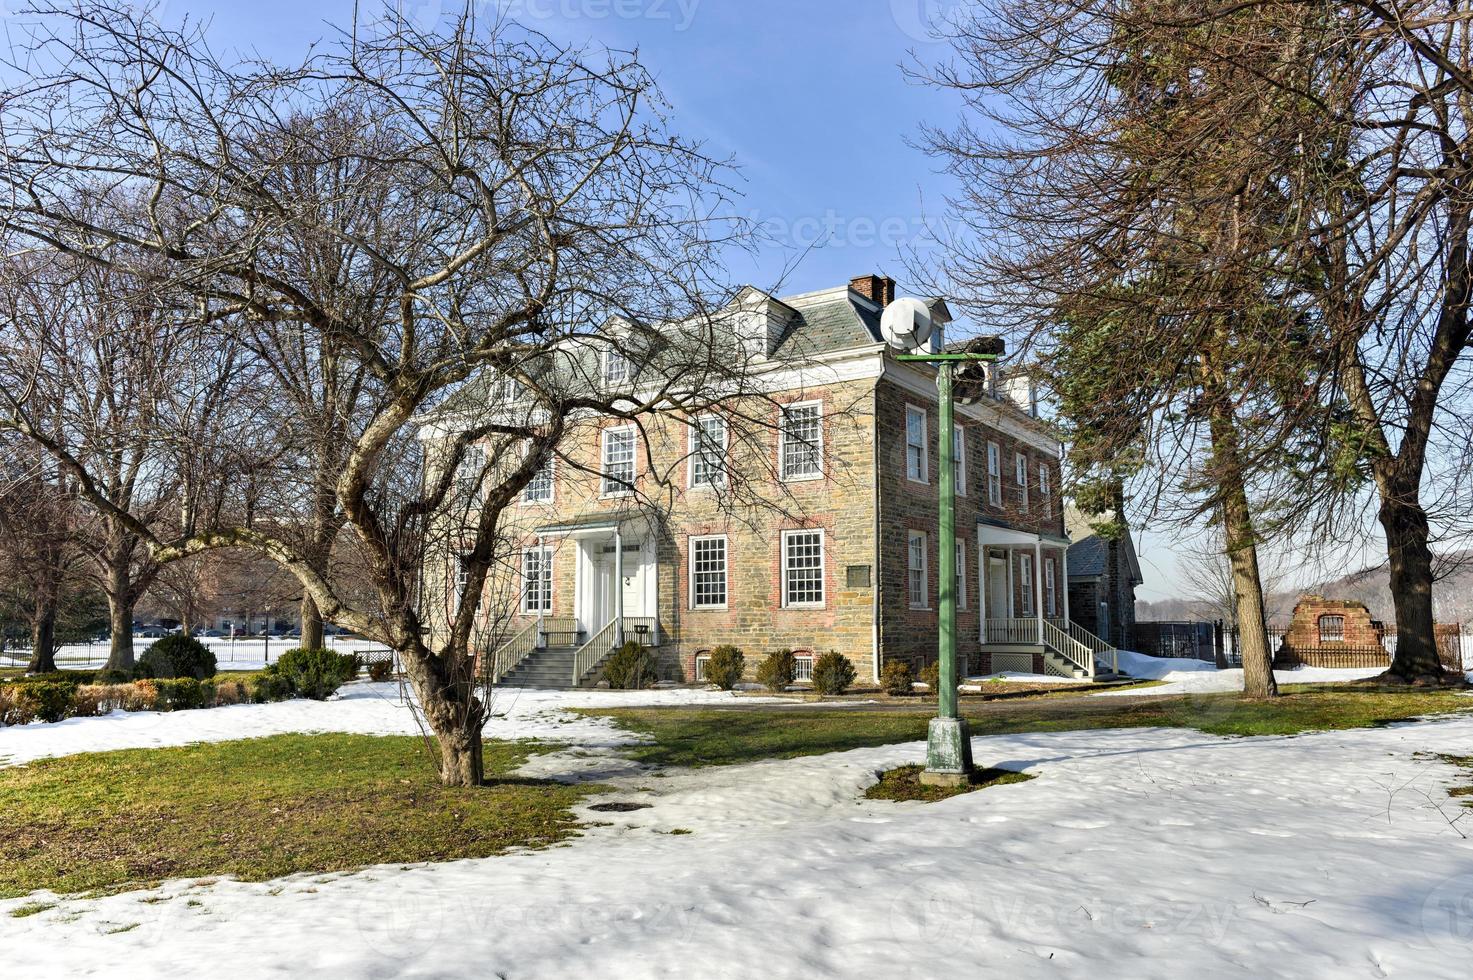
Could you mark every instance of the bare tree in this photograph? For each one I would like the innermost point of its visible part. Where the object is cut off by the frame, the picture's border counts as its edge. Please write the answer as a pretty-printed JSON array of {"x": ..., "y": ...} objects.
[{"x": 532, "y": 212}]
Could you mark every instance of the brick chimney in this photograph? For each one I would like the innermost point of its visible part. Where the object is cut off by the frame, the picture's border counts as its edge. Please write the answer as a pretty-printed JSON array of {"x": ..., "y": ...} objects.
[{"x": 881, "y": 289}]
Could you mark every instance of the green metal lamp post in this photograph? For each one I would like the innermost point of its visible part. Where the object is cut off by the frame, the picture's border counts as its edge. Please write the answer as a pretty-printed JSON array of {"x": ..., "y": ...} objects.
[{"x": 948, "y": 743}]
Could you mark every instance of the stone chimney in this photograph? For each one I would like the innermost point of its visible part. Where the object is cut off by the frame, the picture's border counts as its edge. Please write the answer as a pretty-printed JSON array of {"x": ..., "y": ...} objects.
[{"x": 880, "y": 289}]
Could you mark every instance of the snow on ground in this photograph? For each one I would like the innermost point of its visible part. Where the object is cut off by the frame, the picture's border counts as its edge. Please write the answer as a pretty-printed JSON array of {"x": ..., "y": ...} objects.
[
  {"x": 1183, "y": 676},
  {"x": 1147, "y": 853},
  {"x": 360, "y": 708},
  {"x": 1015, "y": 677}
]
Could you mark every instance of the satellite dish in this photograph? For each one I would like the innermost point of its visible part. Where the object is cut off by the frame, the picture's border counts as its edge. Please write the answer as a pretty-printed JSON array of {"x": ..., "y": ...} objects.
[{"x": 906, "y": 324}]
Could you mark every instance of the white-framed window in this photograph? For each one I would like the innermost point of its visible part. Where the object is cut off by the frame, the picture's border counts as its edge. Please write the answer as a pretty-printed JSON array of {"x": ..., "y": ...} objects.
[
  {"x": 959, "y": 457},
  {"x": 803, "y": 568},
  {"x": 994, "y": 474},
  {"x": 618, "y": 460},
  {"x": 917, "y": 463},
  {"x": 617, "y": 369},
  {"x": 708, "y": 572},
  {"x": 462, "y": 579},
  {"x": 536, "y": 580},
  {"x": 800, "y": 441},
  {"x": 708, "y": 452},
  {"x": 1045, "y": 480},
  {"x": 961, "y": 574},
  {"x": 539, "y": 489},
  {"x": 1025, "y": 580},
  {"x": 468, "y": 476},
  {"x": 919, "y": 599},
  {"x": 1050, "y": 583},
  {"x": 1020, "y": 476},
  {"x": 507, "y": 389}
]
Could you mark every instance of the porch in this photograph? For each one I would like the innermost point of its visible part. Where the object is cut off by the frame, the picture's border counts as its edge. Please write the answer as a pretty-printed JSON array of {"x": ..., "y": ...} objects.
[
  {"x": 1023, "y": 581},
  {"x": 616, "y": 594}
]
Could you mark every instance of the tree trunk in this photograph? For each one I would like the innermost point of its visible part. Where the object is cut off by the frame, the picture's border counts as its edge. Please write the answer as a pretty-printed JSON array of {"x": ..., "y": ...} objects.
[
  {"x": 1241, "y": 541},
  {"x": 312, "y": 638},
  {"x": 43, "y": 639},
  {"x": 454, "y": 714},
  {"x": 1405, "y": 524},
  {"x": 120, "y": 617}
]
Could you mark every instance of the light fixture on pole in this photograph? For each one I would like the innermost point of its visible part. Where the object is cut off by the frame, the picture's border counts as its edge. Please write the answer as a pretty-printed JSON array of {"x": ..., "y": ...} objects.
[{"x": 960, "y": 376}]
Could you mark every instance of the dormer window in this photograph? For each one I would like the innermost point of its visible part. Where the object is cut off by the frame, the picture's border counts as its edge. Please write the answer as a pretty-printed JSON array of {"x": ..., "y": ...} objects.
[
  {"x": 617, "y": 369},
  {"x": 508, "y": 390}
]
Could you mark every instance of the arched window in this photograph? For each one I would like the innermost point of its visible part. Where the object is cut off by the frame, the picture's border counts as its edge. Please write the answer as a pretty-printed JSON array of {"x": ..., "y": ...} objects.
[{"x": 1332, "y": 629}]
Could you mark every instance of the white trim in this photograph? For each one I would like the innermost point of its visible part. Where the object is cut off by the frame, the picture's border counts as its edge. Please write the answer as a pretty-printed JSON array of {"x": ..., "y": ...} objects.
[
  {"x": 545, "y": 579},
  {"x": 961, "y": 573},
  {"x": 910, "y": 569},
  {"x": 694, "y": 448},
  {"x": 959, "y": 458},
  {"x": 994, "y": 473},
  {"x": 924, "y": 464},
  {"x": 823, "y": 568},
  {"x": 1020, "y": 477},
  {"x": 1045, "y": 480},
  {"x": 725, "y": 571},
  {"x": 1025, "y": 575},
  {"x": 603, "y": 460},
  {"x": 1050, "y": 588},
  {"x": 550, "y": 465},
  {"x": 782, "y": 436},
  {"x": 612, "y": 355}
]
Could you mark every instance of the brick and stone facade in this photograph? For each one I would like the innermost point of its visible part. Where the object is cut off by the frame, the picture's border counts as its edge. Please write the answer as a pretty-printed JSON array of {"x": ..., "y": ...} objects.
[{"x": 864, "y": 502}]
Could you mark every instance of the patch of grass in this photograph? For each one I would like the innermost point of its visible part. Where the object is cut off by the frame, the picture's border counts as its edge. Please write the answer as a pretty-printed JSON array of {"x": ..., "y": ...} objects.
[
  {"x": 1464, "y": 762},
  {"x": 121, "y": 929},
  {"x": 725, "y": 736},
  {"x": 904, "y": 784},
  {"x": 262, "y": 808},
  {"x": 31, "y": 908}
]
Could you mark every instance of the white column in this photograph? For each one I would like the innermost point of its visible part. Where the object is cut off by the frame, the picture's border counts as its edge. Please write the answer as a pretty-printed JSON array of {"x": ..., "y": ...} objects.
[
  {"x": 618, "y": 586},
  {"x": 541, "y": 575},
  {"x": 1038, "y": 585},
  {"x": 1063, "y": 584}
]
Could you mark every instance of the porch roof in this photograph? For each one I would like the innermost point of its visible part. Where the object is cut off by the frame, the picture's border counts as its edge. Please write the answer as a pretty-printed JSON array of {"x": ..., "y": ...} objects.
[
  {"x": 588, "y": 523},
  {"x": 989, "y": 532}
]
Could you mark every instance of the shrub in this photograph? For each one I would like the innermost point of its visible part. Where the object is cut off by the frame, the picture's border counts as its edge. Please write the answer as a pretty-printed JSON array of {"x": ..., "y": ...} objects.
[
  {"x": 315, "y": 674},
  {"x": 231, "y": 692},
  {"x": 931, "y": 676},
  {"x": 776, "y": 670},
  {"x": 17, "y": 707},
  {"x": 138, "y": 696},
  {"x": 896, "y": 677},
  {"x": 87, "y": 702},
  {"x": 832, "y": 673},
  {"x": 725, "y": 667},
  {"x": 381, "y": 670},
  {"x": 113, "y": 677},
  {"x": 269, "y": 686},
  {"x": 68, "y": 677},
  {"x": 183, "y": 693},
  {"x": 53, "y": 699},
  {"x": 630, "y": 667},
  {"x": 177, "y": 656}
]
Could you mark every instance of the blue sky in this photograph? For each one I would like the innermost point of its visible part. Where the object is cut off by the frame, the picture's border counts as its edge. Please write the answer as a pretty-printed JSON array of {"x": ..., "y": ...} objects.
[{"x": 808, "y": 98}]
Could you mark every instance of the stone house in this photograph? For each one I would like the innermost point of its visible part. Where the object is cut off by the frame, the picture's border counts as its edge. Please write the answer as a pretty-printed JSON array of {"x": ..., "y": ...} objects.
[
  {"x": 1104, "y": 573},
  {"x": 639, "y": 534}
]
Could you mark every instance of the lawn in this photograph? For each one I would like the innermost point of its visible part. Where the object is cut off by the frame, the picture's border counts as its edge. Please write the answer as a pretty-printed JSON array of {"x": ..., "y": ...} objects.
[
  {"x": 261, "y": 808},
  {"x": 722, "y": 736}
]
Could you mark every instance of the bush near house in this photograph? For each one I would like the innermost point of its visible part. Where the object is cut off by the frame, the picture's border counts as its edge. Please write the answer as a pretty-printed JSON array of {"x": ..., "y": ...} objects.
[
  {"x": 725, "y": 667},
  {"x": 176, "y": 656},
  {"x": 314, "y": 674},
  {"x": 896, "y": 678},
  {"x": 24, "y": 700},
  {"x": 832, "y": 673},
  {"x": 629, "y": 668},
  {"x": 931, "y": 676},
  {"x": 777, "y": 670}
]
